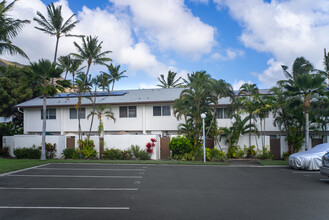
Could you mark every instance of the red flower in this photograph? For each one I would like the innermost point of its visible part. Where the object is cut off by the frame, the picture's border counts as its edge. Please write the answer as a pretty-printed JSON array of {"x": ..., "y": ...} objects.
[{"x": 153, "y": 140}]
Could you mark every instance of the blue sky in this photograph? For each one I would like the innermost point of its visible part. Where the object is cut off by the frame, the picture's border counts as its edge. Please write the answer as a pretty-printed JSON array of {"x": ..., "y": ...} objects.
[{"x": 238, "y": 41}]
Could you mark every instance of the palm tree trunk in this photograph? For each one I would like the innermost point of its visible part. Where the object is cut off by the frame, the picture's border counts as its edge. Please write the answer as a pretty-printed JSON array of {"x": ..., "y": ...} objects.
[
  {"x": 79, "y": 123},
  {"x": 92, "y": 117},
  {"x": 73, "y": 82},
  {"x": 66, "y": 74},
  {"x": 250, "y": 130},
  {"x": 113, "y": 84},
  {"x": 212, "y": 121},
  {"x": 55, "y": 57},
  {"x": 43, "y": 139},
  {"x": 307, "y": 129},
  {"x": 84, "y": 81}
]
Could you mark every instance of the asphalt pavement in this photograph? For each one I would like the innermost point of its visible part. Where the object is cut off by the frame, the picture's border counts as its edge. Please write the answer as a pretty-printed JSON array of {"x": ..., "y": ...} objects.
[{"x": 107, "y": 191}]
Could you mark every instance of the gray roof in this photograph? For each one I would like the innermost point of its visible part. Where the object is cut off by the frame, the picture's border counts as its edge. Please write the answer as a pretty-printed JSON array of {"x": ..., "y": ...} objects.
[
  {"x": 129, "y": 97},
  {"x": 138, "y": 96}
]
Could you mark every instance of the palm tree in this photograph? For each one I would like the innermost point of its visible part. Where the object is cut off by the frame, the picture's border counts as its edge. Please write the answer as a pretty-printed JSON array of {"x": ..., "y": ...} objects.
[
  {"x": 41, "y": 73},
  {"x": 91, "y": 51},
  {"x": 248, "y": 104},
  {"x": 306, "y": 83},
  {"x": 103, "y": 81},
  {"x": 115, "y": 74},
  {"x": 65, "y": 63},
  {"x": 54, "y": 24},
  {"x": 170, "y": 82},
  {"x": 81, "y": 88},
  {"x": 9, "y": 29},
  {"x": 75, "y": 69},
  {"x": 100, "y": 112}
]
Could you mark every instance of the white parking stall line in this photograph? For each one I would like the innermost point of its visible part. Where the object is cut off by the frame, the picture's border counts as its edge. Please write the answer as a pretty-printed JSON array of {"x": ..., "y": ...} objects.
[
  {"x": 306, "y": 172},
  {"x": 137, "y": 170},
  {"x": 17, "y": 171},
  {"x": 71, "y": 189},
  {"x": 64, "y": 207},
  {"x": 70, "y": 176}
]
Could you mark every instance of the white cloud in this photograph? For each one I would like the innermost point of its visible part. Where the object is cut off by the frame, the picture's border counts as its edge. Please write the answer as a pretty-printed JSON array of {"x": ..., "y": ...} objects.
[
  {"x": 286, "y": 29},
  {"x": 170, "y": 25},
  {"x": 230, "y": 54},
  {"x": 238, "y": 83},
  {"x": 271, "y": 75}
]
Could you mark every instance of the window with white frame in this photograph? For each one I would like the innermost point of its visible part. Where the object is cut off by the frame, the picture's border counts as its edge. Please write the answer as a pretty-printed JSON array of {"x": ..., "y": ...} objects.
[
  {"x": 223, "y": 113},
  {"x": 128, "y": 112},
  {"x": 50, "y": 113},
  {"x": 161, "y": 110},
  {"x": 74, "y": 113}
]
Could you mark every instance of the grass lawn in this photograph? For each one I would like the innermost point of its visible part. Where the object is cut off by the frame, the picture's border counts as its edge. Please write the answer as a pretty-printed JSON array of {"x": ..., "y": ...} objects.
[
  {"x": 273, "y": 162},
  {"x": 8, "y": 165}
]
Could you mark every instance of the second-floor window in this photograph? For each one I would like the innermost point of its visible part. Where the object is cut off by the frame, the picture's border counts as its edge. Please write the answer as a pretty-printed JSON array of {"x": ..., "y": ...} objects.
[
  {"x": 223, "y": 113},
  {"x": 128, "y": 112},
  {"x": 161, "y": 110},
  {"x": 50, "y": 113},
  {"x": 74, "y": 113}
]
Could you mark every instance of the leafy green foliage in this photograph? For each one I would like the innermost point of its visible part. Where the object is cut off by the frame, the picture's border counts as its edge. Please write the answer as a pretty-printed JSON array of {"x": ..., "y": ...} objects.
[
  {"x": 265, "y": 154},
  {"x": 250, "y": 151},
  {"x": 285, "y": 155},
  {"x": 112, "y": 154},
  {"x": 70, "y": 153},
  {"x": 215, "y": 155},
  {"x": 143, "y": 155},
  {"x": 87, "y": 149},
  {"x": 27, "y": 153},
  {"x": 180, "y": 145},
  {"x": 4, "y": 152},
  {"x": 50, "y": 150},
  {"x": 235, "y": 152}
]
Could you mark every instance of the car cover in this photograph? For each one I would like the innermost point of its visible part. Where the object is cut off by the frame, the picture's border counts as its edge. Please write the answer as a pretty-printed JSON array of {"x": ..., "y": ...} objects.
[{"x": 309, "y": 160}]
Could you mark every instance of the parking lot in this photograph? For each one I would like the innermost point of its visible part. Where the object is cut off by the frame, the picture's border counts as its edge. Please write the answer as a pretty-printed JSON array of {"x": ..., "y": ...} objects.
[{"x": 107, "y": 191}]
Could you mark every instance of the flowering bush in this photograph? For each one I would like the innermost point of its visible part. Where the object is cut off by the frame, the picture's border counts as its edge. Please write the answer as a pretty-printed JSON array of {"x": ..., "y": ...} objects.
[{"x": 150, "y": 145}]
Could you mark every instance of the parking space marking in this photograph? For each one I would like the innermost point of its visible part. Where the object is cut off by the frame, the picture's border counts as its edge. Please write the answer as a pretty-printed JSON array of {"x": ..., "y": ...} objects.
[
  {"x": 65, "y": 207},
  {"x": 139, "y": 170},
  {"x": 80, "y": 189},
  {"x": 70, "y": 176},
  {"x": 17, "y": 171},
  {"x": 306, "y": 172}
]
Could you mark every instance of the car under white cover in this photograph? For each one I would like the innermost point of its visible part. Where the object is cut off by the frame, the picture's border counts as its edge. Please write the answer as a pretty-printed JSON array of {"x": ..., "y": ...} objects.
[{"x": 309, "y": 160}]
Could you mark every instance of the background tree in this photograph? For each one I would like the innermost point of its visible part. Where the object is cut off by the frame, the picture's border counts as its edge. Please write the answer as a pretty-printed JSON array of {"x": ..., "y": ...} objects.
[
  {"x": 326, "y": 64},
  {"x": 100, "y": 111},
  {"x": 9, "y": 28},
  {"x": 41, "y": 73},
  {"x": 171, "y": 81},
  {"x": 75, "y": 68},
  {"x": 55, "y": 25},
  {"x": 65, "y": 63},
  {"x": 91, "y": 52},
  {"x": 306, "y": 83},
  {"x": 103, "y": 81},
  {"x": 246, "y": 98},
  {"x": 114, "y": 74}
]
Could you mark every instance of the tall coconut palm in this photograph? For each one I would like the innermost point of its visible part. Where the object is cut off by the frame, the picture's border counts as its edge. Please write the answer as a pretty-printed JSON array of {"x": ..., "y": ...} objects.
[
  {"x": 99, "y": 112},
  {"x": 115, "y": 74},
  {"x": 170, "y": 82},
  {"x": 91, "y": 51},
  {"x": 103, "y": 81},
  {"x": 9, "y": 29},
  {"x": 41, "y": 73},
  {"x": 55, "y": 25},
  {"x": 247, "y": 93},
  {"x": 75, "y": 69},
  {"x": 306, "y": 83}
]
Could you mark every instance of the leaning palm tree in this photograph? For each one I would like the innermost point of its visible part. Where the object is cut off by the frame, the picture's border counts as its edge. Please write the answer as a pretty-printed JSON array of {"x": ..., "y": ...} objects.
[
  {"x": 54, "y": 24},
  {"x": 170, "y": 82},
  {"x": 41, "y": 73},
  {"x": 306, "y": 83},
  {"x": 9, "y": 29},
  {"x": 91, "y": 51},
  {"x": 115, "y": 74},
  {"x": 100, "y": 112}
]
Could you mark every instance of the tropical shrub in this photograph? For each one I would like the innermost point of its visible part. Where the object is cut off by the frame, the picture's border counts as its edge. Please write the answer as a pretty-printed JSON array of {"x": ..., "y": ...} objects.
[
  {"x": 27, "y": 153},
  {"x": 70, "y": 153},
  {"x": 285, "y": 155},
  {"x": 4, "y": 152},
  {"x": 250, "y": 151},
  {"x": 135, "y": 150},
  {"x": 50, "y": 150},
  {"x": 180, "y": 145},
  {"x": 112, "y": 154},
  {"x": 215, "y": 155},
  {"x": 143, "y": 155},
  {"x": 87, "y": 149},
  {"x": 265, "y": 154}
]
